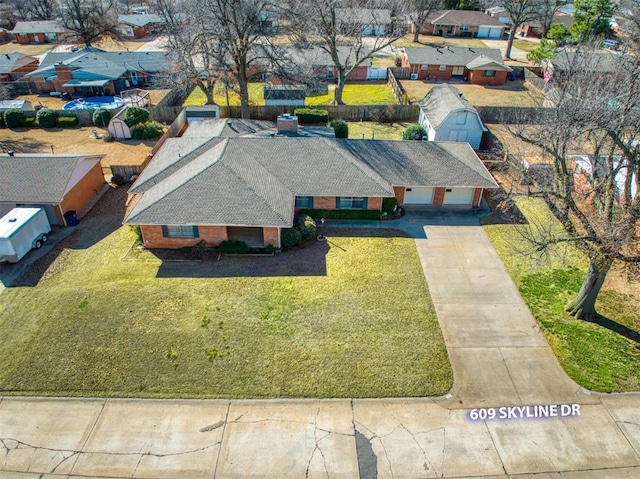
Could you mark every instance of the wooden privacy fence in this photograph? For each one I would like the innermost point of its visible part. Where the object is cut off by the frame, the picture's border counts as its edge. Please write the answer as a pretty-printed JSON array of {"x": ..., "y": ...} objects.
[
  {"x": 399, "y": 113},
  {"x": 398, "y": 91}
]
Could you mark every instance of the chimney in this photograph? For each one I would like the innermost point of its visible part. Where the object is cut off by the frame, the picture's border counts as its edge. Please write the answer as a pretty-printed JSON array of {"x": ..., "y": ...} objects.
[{"x": 287, "y": 122}]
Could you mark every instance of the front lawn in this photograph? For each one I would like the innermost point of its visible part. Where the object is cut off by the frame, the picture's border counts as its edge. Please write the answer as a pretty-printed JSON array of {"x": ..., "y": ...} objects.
[
  {"x": 525, "y": 45},
  {"x": 592, "y": 355},
  {"x": 356, "y": 322},
  {"x": 512, "y": 93},
  {"x": 357, "y": 94}
]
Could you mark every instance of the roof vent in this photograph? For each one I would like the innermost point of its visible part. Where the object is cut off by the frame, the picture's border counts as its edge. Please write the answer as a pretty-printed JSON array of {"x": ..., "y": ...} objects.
[
  {"x": 13, "y": 220},
  {"x": 439, "y": 50},
  {"x": 10, "y": 152}
]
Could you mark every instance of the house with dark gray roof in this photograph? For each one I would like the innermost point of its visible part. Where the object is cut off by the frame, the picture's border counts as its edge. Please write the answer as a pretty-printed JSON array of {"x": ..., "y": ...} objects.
[
  {"x": 41, "y": 31},
  {"x": 461, "y": 23},
  {"x": 57, "y": 183},
  {"x": 447, "y": 116},
  {"x": 92, "y": 71},
  {"x": 217, "y": 188},
  {"x": 482, "y": 66}
]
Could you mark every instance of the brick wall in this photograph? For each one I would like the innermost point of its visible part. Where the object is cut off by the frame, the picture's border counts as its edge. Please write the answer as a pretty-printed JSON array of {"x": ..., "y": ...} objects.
[
  {"x": 477, "y": 77},
  {"x": 398, "y": 191},
  {"x": 476, "y": 196},
  {"x": 433, "y": 71},
  {"x": 153, "y": 238},
  {"x": 324, "y": 202},
  {"x": 271, "y": 235},
  {"x": 438, "y": 196},
  {"x": 77, "y": 198},
  {"x": 374, "y": 203}
]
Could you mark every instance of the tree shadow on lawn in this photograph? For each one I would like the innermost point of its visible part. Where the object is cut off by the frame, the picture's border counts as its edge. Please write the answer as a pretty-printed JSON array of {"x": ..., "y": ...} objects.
[
  {"x": 618, "y": 328},
  {"x": 25, "y": 144},
  {"x": 103, "y": 219}
]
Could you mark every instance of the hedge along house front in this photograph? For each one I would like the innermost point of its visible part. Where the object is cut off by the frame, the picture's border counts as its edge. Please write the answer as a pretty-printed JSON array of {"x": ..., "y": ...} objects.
[{"x": 249, "y": 188}]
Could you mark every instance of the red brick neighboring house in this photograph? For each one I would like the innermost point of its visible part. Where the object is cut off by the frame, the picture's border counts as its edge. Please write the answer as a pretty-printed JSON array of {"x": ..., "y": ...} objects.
[
  {"x": 42, "y": 31},
  {"x": 212, "y": 188},
  {"x": 461, "y": 23},
  {"x": 141, "y": 25},
  {"x": 57, "y": 183},
  {"x": 14, "y": 66},
  {"x": 534, "y": 27},
  {"x": 482, "y": 66}
]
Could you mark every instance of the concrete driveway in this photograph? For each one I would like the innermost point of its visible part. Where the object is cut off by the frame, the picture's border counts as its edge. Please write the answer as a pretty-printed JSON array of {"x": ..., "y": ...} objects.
[{"x": 501, "y": 363}]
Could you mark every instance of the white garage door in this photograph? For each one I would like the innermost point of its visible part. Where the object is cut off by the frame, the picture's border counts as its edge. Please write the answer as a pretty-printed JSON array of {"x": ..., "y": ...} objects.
[
  {"x": 495, "y": 32},
  {"x": 458, "y": 196},
  {"x": 483, "y": 32},
  {"x": 418, "y": 195}
]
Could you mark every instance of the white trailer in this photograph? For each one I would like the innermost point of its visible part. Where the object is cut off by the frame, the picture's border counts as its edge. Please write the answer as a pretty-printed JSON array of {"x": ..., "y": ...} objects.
[{"x": 21, "y": 230}]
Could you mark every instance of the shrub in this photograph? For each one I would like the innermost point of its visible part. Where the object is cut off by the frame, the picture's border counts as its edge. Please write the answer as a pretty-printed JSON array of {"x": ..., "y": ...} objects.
[
  {"x": 137, "y": 231},
  {"x": 134, "y": 116},
  {"x": 13, "y": 118},
  {"x": 118, "y": 180},
  {"x": 198, "y": 250},
  {"x": 270, "y": 248},
  {"x": 306, "y": 226},
  {"x": 389, "y": 205},
  {"x": 311, "y": 115},
  {"x": 340, "y": 127},
  {"x": 108, "y": 138},
  {"x": 28, "y": 121},
  {"x": 101, "y": 117},
  {"x": 290, "y": 237},
  {"x": 343, "y": 214},
  {"x": 150, "y": 129},
  {"x": 2, "y": 125},
  {"x": 67, "y": 121},
  {"x": 414, "y": 132},
  {"x": 233, "y": 247},
  {"x": 46, "y": 118}
]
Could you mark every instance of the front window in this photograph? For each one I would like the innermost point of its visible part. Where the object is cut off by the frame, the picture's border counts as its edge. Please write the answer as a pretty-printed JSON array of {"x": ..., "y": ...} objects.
[
  {"x": 180, "y": 231},
  {"x": 443, "y": 68},
  {"x": 351, "y": 203},
  {"x": 464, "y": 28},
  {"x": 489, "y": 73},
  {"x": 304, "y": 202}
]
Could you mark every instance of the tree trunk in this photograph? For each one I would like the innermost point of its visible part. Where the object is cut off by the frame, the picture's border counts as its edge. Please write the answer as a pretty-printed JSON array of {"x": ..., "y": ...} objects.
[
  {"x": 416, "y": 34},
  {"x": 584, "y": 306},
  {"x": 512, "y": 36},
  {"x": 337, "y": 95},
  {"x": 244, "y": 97}
]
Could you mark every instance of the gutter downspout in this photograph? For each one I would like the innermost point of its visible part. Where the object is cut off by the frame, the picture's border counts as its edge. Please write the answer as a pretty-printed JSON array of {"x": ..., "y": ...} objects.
[{"x": 64, "y": 220}]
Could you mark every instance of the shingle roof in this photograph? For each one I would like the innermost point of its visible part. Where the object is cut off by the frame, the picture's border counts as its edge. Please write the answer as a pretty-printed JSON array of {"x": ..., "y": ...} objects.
[
  {"x": 41, "y": 26},
  {"x": 103, "y": 64},
  {"x": 586, "y": 61},
  {"x": 463, "y": 17},
  {"x": 141, "y": 20},
  {"x": 305, "y": 55},
  {"x": 365, "y": 16},
  {"x": 441, "y": 101},
  {"x": 37, "y": 178},
  {"x": 245, "y": 181},
  {"x": 12, "y": 61},
  {"x": 455, "y": 56}
]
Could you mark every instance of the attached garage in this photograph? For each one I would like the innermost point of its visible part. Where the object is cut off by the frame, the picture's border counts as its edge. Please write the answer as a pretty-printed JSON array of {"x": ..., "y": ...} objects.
[
  {"x": 418, "y": 195},
  {"x": 458, "y": 196},
  {"x": 483, "y": 32},
  {"x": 490, "y": 32}
]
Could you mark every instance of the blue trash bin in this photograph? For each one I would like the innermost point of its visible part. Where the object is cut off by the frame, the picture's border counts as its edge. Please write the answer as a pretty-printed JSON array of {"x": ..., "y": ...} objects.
[{"x": 71, "y": 217}]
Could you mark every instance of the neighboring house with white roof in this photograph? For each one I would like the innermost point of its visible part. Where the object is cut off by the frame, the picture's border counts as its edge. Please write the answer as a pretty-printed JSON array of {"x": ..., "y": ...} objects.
[
  {"x": 140, "y": 25},
  {"x": 262, "y": 178},
  {"x": 482, "y": 66},
  {"x": 41, "y": 31},
  {"x": 92, "y": 71},
  {"x": 370, "y": 21},
  {"x": 14, "y": 66},
  {"x": 447, "y": 116}
]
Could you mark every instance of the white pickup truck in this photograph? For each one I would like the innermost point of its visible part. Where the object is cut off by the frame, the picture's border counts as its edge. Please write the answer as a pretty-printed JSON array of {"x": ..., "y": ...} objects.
[{"x": 21, "y": 230}]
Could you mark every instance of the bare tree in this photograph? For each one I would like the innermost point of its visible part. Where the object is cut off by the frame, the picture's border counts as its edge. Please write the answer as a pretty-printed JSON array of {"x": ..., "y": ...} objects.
[
  {"x": 36, "y": 9},
  {"x": 520, "y": 11},
  {"x": 599, "y": 214},
  {"x": 547, "y": 11},
  {"x": 89, "y": 20},
  {"x": 350, "y": 36},
  {"x": 197, "y": 54},
  {"x": 418, "y": 11}
]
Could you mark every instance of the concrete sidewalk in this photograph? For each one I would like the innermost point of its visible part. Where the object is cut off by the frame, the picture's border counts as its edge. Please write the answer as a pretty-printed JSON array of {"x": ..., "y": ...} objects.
[{"x": 500, "y": 362}]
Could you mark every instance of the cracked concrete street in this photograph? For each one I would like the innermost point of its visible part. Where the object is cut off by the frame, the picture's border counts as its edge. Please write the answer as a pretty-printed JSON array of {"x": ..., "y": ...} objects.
[{"x": 499, "y": 359}]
